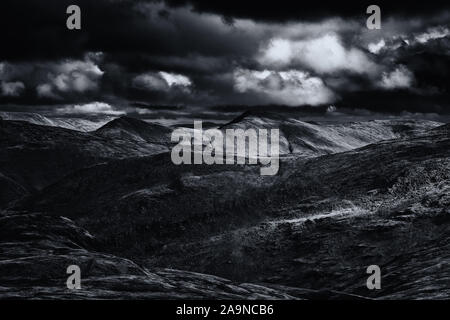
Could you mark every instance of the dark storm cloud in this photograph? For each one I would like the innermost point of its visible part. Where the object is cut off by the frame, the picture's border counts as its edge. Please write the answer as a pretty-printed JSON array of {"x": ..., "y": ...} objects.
[
  {"x": 227, "y": 53},
  {"x": 36, "y": 29},
  {"x": 281, "y": 11}
]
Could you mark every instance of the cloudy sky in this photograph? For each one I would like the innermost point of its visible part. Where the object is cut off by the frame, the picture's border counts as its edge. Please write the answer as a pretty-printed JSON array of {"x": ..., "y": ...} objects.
[{"x": 167, "y": 54}]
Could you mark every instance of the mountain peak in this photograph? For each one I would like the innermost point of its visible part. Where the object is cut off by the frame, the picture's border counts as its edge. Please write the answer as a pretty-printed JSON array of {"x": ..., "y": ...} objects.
[
  {"x": 251, "y": 114},
  {"x": 123, "y": 121},
  {"x": 130, "y": 123},
  {"x": 135, "y": 129}
]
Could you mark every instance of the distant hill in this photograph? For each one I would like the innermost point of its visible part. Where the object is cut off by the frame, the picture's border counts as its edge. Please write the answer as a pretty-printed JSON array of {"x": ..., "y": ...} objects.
[
  {"x": 35, "y": 156},
  {"x": 135, "y": 130},
  {"x": 311, "y": 139},
  {"x": 444, "y": 128},
  {"x": 79, "y": 124}
]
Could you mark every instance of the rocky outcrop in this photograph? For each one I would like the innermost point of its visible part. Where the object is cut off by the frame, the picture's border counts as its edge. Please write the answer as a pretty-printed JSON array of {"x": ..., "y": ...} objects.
[{"x": 36, "y": 249}]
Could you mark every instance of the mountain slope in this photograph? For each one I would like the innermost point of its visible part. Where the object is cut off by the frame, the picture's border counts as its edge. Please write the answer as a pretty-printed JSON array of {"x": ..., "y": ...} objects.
[
  {"x": 318, "y": 224},
  {"x": 311, "y": 139},
  {"x": 35, "y": 156},
  {"x": 10, "y": 190},
  {"x": 36, "y": 250},
  {"x": 329, "y": 218}
]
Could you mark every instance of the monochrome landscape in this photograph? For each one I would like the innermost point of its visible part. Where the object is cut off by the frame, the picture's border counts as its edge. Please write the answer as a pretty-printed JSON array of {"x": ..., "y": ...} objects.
[{"x": 87, "y": 171}]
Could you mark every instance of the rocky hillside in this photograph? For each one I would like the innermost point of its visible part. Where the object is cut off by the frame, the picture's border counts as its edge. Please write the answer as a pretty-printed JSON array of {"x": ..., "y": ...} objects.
[
  {"x": 36, "y": 250},
  {"x": 35, "y": 156},
  {"x": 317, "y": 225},
  {"x": 308, "y": 232}
]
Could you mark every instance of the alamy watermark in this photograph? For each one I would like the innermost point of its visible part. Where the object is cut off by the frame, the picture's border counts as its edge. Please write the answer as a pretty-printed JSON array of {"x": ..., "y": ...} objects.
[
  {"x": 73, "y": 22},
  {"x": 374, "y": 20},
  {"x": 237, "y": 146},
  {"x": 374, "y": 280},
  {"x": 74, "y": 280}
]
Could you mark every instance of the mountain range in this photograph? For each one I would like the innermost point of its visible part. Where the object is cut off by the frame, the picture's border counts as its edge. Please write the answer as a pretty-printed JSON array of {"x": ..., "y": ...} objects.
[{"x": 348, "y": 195}]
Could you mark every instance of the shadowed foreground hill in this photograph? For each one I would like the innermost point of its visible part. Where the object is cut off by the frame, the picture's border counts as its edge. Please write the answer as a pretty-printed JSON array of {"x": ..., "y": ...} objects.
[{"x": 36, "y": 250}]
